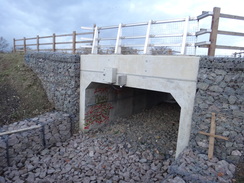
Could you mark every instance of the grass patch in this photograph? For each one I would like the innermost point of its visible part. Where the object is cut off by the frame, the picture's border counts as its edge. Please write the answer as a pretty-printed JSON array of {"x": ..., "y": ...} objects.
[{"x": 21, "y": 92}]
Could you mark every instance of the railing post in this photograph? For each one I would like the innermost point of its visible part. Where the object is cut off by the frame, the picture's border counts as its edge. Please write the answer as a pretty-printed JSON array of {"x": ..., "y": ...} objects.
[
  {"x": 54, "y": 43},
  {"x": 37, "y": 43},
  {"x": 24, "y": 45},
  {"x": 183, "y": 46},
  {"x": 14, "y": 46},
  {"x": 117, "y": 49},
  {"x": 95, "y": 41},
  {"x": 74, "y": 42},
  {"x": 214, "y": 31},
  {"x": 147, "y": 40}
]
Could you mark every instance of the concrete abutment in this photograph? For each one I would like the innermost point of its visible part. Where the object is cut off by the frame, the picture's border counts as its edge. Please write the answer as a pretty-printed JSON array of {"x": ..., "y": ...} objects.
[{"x": 118, "y": 74}]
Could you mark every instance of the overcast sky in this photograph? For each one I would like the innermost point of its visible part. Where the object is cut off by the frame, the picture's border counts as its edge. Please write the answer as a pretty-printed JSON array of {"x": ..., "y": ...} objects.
[{"x": 28, "y": 18}]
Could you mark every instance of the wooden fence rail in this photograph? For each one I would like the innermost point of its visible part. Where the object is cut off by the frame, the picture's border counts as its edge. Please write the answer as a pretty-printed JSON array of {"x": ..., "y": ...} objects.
[
  {"x": 214, "y": 32},
  {"x": 24, "y": 46}
]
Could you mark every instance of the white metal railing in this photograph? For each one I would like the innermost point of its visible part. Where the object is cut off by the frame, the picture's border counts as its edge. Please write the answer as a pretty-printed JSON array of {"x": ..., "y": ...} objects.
[
  {"x": 146, "y": 40},
  {"x": 147, "y": 37}
]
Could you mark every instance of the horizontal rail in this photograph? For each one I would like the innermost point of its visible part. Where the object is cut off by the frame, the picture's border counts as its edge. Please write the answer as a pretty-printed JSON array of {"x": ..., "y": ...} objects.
[
  {"x": 132, "y": 37},
  {"x": 30, "y": 44},
  {"x": 20, "y": 130},
  {"x": 169, "y": 21},
  {"x": 63, "y": 35},
  {"x": 140, "y": 45},
  {"x": 203, "y": 44},
  {"x": 83, "y": 42},
  {"x": 231, "y": 33},
  {"x": 205, "y": 14},
  {"x": 45, "y": 37},
  {"x": 190, "y": 44},
  {"x": 108, "y": 27},
  {"x": 63, "y": 42},
  {"x": 18, "y": 39},
  {"x": 230, "y": 47},
  {"x": 45, "y": 43},
  {"x": 146, "y": 23},
  {"x": 63, "y": 49},
  {"x": 106, "y": 38},
  {"x": 84, "y": 33},
  {"x": 30, "y": 38},
  {"x": 203, "y": 31},
  {"x": 231, "y": 16}
]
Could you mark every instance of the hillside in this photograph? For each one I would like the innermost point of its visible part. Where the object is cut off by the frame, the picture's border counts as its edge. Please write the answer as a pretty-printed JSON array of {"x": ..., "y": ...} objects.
[{"x": 21, "y": 92}]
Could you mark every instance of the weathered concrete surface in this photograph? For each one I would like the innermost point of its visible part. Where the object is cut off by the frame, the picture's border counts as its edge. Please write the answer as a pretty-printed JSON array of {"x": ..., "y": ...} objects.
[{"x": 176, "y": 75}]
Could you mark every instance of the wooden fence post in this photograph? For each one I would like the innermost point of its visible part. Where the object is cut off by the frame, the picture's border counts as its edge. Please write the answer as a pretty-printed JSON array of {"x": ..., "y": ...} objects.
[
  {"x": 54, "y": 43},
  {"x": 74, "y": 42},
  {"x": 214, "y": 31},
  {"x": 37, "y": 43},
  {"x": 24, "y": 44},
  {"x": 14, "y": 46}
]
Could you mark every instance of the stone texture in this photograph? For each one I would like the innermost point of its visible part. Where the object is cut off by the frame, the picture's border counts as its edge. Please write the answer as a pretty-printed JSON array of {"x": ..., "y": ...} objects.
[
  {"x": 60, "y": 77},
  {"x": 138, "y": 148},
  {"x": 219, "y": 90},
  {"x": 23, "y": 145}
]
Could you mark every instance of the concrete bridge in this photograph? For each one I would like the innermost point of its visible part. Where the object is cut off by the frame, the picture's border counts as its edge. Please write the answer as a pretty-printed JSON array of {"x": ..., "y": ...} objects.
[{"x": 95, "y": 89}]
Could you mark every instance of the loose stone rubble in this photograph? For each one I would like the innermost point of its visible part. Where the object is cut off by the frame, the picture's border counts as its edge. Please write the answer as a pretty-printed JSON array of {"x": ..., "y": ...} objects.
[
  {"x": 191, "y": 166},
  {"x": 139, "y": 148}
]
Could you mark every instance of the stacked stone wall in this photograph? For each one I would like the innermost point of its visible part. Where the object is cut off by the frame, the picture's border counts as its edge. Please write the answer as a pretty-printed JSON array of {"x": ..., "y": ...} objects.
[
  {"x": 16, "y": 147},
  {"x": 220, "y": 89},
  {"x": 60, "y": 76}
]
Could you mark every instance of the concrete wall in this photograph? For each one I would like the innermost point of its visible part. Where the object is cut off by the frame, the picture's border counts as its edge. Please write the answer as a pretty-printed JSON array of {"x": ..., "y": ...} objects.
[
  {"x": 60, "y": 76},
  {"x": 220, "y": 89}
]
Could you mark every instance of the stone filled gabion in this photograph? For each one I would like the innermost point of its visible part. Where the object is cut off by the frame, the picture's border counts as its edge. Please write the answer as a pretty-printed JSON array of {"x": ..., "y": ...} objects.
[
  {"x": 60, "y": 76},
  {"x": 220, "y": 89},
  {"x": 192, "y": 166},
  {"x": 17, "y": 147}
]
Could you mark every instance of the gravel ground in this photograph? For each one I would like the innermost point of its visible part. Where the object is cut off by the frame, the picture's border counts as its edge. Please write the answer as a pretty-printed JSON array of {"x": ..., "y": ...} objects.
[{"x": 139, "y": 148}]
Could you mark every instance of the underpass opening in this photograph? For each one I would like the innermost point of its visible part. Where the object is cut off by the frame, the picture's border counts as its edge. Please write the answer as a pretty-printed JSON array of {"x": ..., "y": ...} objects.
[{"x": 150, "y": 118}]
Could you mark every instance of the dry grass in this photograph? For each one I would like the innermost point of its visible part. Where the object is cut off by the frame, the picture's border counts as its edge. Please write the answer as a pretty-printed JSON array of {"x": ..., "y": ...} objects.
[{"x": 21, "y": 92}]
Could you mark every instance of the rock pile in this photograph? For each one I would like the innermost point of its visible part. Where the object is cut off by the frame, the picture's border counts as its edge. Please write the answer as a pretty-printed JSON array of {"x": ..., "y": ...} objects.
[
  {"x": 191, "y": 167},
  {"x": 128, "y": 150},
  {"x": 51, "y": 128}
]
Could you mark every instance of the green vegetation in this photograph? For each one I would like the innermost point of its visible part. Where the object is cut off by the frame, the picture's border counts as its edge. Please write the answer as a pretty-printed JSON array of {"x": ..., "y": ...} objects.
[{"x": 21, "y": 92}]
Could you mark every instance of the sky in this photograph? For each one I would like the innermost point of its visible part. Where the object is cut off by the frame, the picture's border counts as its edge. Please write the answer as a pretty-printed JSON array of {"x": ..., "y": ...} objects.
[{"x": 29, "y": 18}]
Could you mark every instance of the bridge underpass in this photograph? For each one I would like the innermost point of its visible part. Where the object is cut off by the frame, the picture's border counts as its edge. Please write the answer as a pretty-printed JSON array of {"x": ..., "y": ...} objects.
[{"x": 113, "y": 86}]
